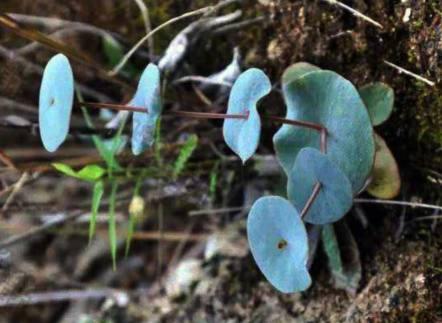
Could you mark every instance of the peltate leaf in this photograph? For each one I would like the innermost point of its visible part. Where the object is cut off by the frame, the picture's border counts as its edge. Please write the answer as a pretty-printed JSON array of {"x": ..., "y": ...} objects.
[
  {"x": 379, "y": 100},
  {"x": 335, "y": 196},
  {"x": 296, "y": 71},
  {"x": 242, "y": 135},
  {"x": 326, "y": 98},
  {"x": 147, "y": 96},
  {"x": 386, "y": 180},
  {"x": 279, "y": 244},
  {"x": 55, "y": 103}
]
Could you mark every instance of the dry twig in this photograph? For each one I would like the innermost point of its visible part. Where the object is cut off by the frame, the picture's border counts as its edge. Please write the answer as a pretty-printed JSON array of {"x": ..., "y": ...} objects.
[{"x": 407, "y": 72}]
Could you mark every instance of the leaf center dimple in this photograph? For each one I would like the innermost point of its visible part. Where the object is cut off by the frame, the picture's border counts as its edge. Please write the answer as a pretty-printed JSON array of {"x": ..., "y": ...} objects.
[{"x": 282, "y": 244}]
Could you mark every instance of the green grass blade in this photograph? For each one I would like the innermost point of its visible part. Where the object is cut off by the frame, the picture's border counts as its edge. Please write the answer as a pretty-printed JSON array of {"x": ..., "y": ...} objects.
[
  {"x": 213, "y": 182},
  {"x": 96, "y": 201},
  {"x": 184, "y": 155},
  {"x": 112, "y": 225}
]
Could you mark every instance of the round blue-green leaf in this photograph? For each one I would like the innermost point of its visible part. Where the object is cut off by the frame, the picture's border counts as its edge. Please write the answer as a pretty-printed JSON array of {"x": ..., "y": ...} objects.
[
  {"x": 335, "y": 197},
  {"x": 279, "y": 244},
  {"x": 379, "y": 100},
  {"x": 296, "y": 71},
  {"x": 147, "y": 96},
  {"x": 56, "y": 101},
  {"x": 327, "y": 98},
  {"x": 242, "y": 135}
]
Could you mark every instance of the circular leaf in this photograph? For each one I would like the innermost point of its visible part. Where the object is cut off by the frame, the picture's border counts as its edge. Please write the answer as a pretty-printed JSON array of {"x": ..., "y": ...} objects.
[
  {"x": 296, "y": 71},
  {"x": 386, "y": 180},
  {"x": 55, "y": 103},
  {"x": 147, "y": 96},
  {"x": 335, "y": 196},
  {"x": 379, "y": 99},
  {"x": 327, "y": 98},
  {"x": 279, "y": 244},
  {"x": 242, "y": 135}
]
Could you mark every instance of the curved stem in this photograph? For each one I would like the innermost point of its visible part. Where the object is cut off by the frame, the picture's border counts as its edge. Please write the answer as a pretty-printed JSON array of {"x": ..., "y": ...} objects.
[
  {"x": 75, "y": 131},
  {"x": 128, "y": 55}
]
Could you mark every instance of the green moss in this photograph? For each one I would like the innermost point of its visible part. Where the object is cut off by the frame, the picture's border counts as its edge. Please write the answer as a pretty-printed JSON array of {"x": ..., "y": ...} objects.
[{"x": 429, "y": 115}]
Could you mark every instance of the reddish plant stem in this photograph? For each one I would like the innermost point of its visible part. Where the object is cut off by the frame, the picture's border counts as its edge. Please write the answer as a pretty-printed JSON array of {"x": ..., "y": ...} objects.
[
  {"x": 323, "y": 146},
  {"x": 190, "y": 114},
  {"x": 209, "y": 115},
  {"x": 311, "y": 199},
  {"x": 317, "y": 187},
  {"x": 305, "y": 124},
  {"x": 119, "y": 107}
]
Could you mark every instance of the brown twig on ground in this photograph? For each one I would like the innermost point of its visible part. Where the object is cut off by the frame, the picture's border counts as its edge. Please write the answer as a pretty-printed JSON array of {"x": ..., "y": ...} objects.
[
  {"x": 14, "y": 26},
  {"x": 11, "y": 55},
  {"x": 120, "y": 297},
  {"x": 16, "y": 188},
  {"x": 403, "y": 203},
  {"x": 356, "y": 200},
  {"x": 33, "y": 232},
  {"x": 5, "y": 159},
  {"x": 168, "y": 236}
]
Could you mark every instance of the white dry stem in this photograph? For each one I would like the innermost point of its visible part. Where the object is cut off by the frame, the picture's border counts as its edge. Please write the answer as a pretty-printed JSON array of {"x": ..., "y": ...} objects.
[
  {"x": 202, "y": 11},
  {"x": 354, "y": 12},
  {"x": 129, "y": 54},
  {"x": 147, "y": 25},
  {"x": 407, "y": 72}
]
